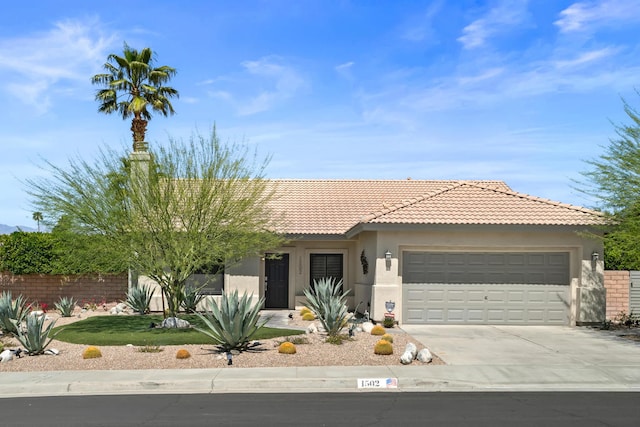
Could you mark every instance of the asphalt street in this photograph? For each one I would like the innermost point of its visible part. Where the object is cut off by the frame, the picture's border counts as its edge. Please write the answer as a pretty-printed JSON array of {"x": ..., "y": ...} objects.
[{"x": 328, "y": 409}]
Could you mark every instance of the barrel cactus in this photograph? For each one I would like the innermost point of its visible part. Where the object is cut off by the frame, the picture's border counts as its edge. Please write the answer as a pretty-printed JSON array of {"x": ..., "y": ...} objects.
[
  {"x": 383, "y": 347},
  {"x": 378, "y": 330},
  {"x": 91, "y": 352},
  {"x": 308, "y": 316},
  {"x": 304, "y": 310},
  {"x": 287, "y": 348},
  {"x": 183, "y": 354},
  {"x": 387, "y": 337}
]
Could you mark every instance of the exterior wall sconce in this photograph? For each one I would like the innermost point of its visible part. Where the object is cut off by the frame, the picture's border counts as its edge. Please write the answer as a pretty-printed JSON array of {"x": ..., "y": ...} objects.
[
  {"x": 387, "y": 259},
  {"x": 595, "y": 256}
]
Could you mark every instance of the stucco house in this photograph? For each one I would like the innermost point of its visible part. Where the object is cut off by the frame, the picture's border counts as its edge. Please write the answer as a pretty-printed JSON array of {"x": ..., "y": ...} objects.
[{"x": 455, "y": 252}]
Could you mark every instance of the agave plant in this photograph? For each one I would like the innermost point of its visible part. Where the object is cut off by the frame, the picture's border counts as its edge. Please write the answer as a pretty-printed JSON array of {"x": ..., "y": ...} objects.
[
  {"x": 35, "y": 337},
  {"x": 139, "y": 298},
  {"x": 65, "y": 305},
  {"x": 10, "y": 310},
  {"x": 327, "y": 301},
  {"x": 191, "y": 298},
  {"x": 233, "y": 322}
]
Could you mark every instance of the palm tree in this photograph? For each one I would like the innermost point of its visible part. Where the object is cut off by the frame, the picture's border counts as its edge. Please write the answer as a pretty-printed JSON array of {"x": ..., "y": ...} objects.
[
  {"x": 134, "y": 77},
  {"x": 37, "y": 217}
]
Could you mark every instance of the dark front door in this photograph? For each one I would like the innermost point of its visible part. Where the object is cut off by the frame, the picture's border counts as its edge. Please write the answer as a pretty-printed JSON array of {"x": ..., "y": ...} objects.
[{"x": 276, "y": 274}]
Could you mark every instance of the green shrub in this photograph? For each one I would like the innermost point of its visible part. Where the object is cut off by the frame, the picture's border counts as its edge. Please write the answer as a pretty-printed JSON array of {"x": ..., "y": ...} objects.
[
  {"x": 327, "y": 301},
  {"x": 232, "y": 323},
  {"x": 139, "y": 298},
  {"x": 337, "y": 339},
  {"x": 91, "y": 352},
  {"x": 287, "y": 348},
  {"x": 65, "y": 305},
  {"x": 35, "y": 338},
  {"x": 378, "y": 330},
  {"x": 388, "y": 322},
  {"x": 12, "y": 310},
  {"x": 383, "y": 347}
]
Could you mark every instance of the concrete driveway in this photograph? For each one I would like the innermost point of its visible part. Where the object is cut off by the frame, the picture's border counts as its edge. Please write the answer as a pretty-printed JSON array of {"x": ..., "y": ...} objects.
[{"x": 527, "y": 345}]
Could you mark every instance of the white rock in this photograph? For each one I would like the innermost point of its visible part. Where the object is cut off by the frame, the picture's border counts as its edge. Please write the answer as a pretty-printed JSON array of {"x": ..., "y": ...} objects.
[
  {"x": 367, "y": 327},
  {"x": 6, "y": 356},
  {"x": 411, "y": 348},
  {"x": 406, "y": 358},
  {"x": 174, "y": 322},
  {"x": 121, "y": 307},
  {"x": 112, "y": 311},
  {"x": 312, "y": 329},
  {"x": 52, "y": 351},
  {"x": 36, "y": 313},
  {"x": 424, "y": 356}
]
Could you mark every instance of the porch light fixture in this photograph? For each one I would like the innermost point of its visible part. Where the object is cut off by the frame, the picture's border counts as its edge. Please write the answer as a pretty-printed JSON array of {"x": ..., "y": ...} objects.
[
  {"x": 595, "y": 256},
  {"x": 387, "y": 259}
]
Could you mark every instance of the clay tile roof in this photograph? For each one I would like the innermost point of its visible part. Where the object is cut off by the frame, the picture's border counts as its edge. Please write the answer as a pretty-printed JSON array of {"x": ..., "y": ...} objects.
[{"x": 332, "y": 207}]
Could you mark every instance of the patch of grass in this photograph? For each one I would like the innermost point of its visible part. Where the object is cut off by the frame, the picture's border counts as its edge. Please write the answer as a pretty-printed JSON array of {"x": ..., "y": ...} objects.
[
  {"x": 338, "y": 339},
  {"x": 148, "y": 348},
  {"x": 123, "y": 330}
]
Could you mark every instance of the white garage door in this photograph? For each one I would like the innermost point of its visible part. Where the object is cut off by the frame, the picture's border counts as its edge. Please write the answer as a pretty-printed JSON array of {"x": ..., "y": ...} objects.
[{"x": 519, "y": 288}]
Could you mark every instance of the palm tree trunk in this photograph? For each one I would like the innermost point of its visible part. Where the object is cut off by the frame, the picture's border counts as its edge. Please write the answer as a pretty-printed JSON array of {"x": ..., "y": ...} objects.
[{"x": 139, "y": 129}]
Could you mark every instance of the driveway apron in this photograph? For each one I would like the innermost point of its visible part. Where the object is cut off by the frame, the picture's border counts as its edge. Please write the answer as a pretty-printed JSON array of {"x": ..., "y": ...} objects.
[{"x": 526, "y": 345}]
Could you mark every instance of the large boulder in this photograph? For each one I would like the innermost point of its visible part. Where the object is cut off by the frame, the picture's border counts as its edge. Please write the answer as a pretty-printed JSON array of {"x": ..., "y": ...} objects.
[
  {"x": 424, "y": 355},
  {"x": 174, "y": 322},
  {"x": 409, "y": 354},
  {"x": 367, "y": 327}
]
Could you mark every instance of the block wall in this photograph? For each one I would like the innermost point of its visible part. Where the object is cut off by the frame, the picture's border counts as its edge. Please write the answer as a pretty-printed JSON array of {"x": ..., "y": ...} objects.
[
  {"x": 617, "y": 285},
  {"x": 104, "y": 288}
]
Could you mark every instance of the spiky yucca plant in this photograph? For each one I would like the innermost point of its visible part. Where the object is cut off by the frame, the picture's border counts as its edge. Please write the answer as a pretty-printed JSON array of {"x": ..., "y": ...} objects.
[
  {"x": 10, "y": 310},
  {"x": 191, "y": 299},
  {"x": 139, "y": 298},
  {"x": 65, "y": 305},
  {"x": 233, "y": 321},
  {"x": 35, "y": 337},
  {"x": 327, "y": 301}
]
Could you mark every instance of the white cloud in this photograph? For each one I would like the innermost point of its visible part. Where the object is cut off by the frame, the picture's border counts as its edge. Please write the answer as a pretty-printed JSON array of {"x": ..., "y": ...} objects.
[
  {"x": 420, "y": 28},
  {"x": 502, "y": 18},
  {"x": 587, "y": 58},
  {"x": 284, "y": 80},
  {"x": 583, "y": 16},
  {"x": 70, "y": 52}
]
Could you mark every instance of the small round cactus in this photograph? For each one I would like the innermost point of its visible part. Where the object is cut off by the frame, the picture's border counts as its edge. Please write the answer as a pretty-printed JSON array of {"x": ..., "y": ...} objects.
[
  {"x": 304, "y": 311},
  {"x": 378, "y": 330},
  {"x": 91, "y": 352},
  {"x": 287, "y": 348},
  {"x": 183, "y": 354},
  {"x": 308, "y": 316},
  {"x": 383, "y": 347},
  {"x": 387, "y": 337}
]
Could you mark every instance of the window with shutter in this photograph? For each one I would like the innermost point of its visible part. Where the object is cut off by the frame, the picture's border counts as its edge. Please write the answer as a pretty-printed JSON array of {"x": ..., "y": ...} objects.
[{"x": 326, "y": 265}]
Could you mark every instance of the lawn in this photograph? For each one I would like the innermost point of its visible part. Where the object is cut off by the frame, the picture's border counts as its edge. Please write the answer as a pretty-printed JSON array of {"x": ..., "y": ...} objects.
[{"x": 135, "y": 330}]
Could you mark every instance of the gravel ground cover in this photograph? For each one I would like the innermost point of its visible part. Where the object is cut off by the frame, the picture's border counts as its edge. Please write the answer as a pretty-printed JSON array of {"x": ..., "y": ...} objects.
[{"x": 355, "y": 352}]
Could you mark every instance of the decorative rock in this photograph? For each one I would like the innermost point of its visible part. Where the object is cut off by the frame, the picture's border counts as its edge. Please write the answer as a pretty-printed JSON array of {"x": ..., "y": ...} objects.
[
  {"x": 367, "y": 327},
  {"x": 120, "y": 308},
  {"x": 406, "y": 358},
  {"x": 36, "y": 313},
  {"x": 174, "y": 322},
  {"x": 6, "y": 356},
  {"x": 52, "y": 351},
  {"x": 411, "y": 348},
  {"x": 312, "y": 329},
  {"x": 424, "y": 356},
  {"x": 409, "y": 354}
]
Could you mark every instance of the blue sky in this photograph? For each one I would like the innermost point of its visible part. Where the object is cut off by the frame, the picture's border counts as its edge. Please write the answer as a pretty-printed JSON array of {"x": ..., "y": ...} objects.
[{"x": 521, "y": 91}]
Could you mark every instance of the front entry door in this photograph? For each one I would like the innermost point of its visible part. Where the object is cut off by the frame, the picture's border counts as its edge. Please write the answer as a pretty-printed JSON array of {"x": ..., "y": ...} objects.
[{"x": 276, "y": 272}]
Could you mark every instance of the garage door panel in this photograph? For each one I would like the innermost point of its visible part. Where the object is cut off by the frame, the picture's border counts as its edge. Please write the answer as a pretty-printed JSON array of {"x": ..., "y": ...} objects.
[{"x": 536, "y": 289}]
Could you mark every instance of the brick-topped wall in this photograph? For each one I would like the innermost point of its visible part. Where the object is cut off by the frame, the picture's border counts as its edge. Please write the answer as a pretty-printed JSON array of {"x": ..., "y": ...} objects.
[
  {"x": 617, "y": 286},
  {"x": 47, "y": 289}
]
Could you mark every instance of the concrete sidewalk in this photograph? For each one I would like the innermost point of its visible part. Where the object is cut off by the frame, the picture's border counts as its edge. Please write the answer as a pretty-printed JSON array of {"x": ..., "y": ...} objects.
[{"x": 479, "y": 358}]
